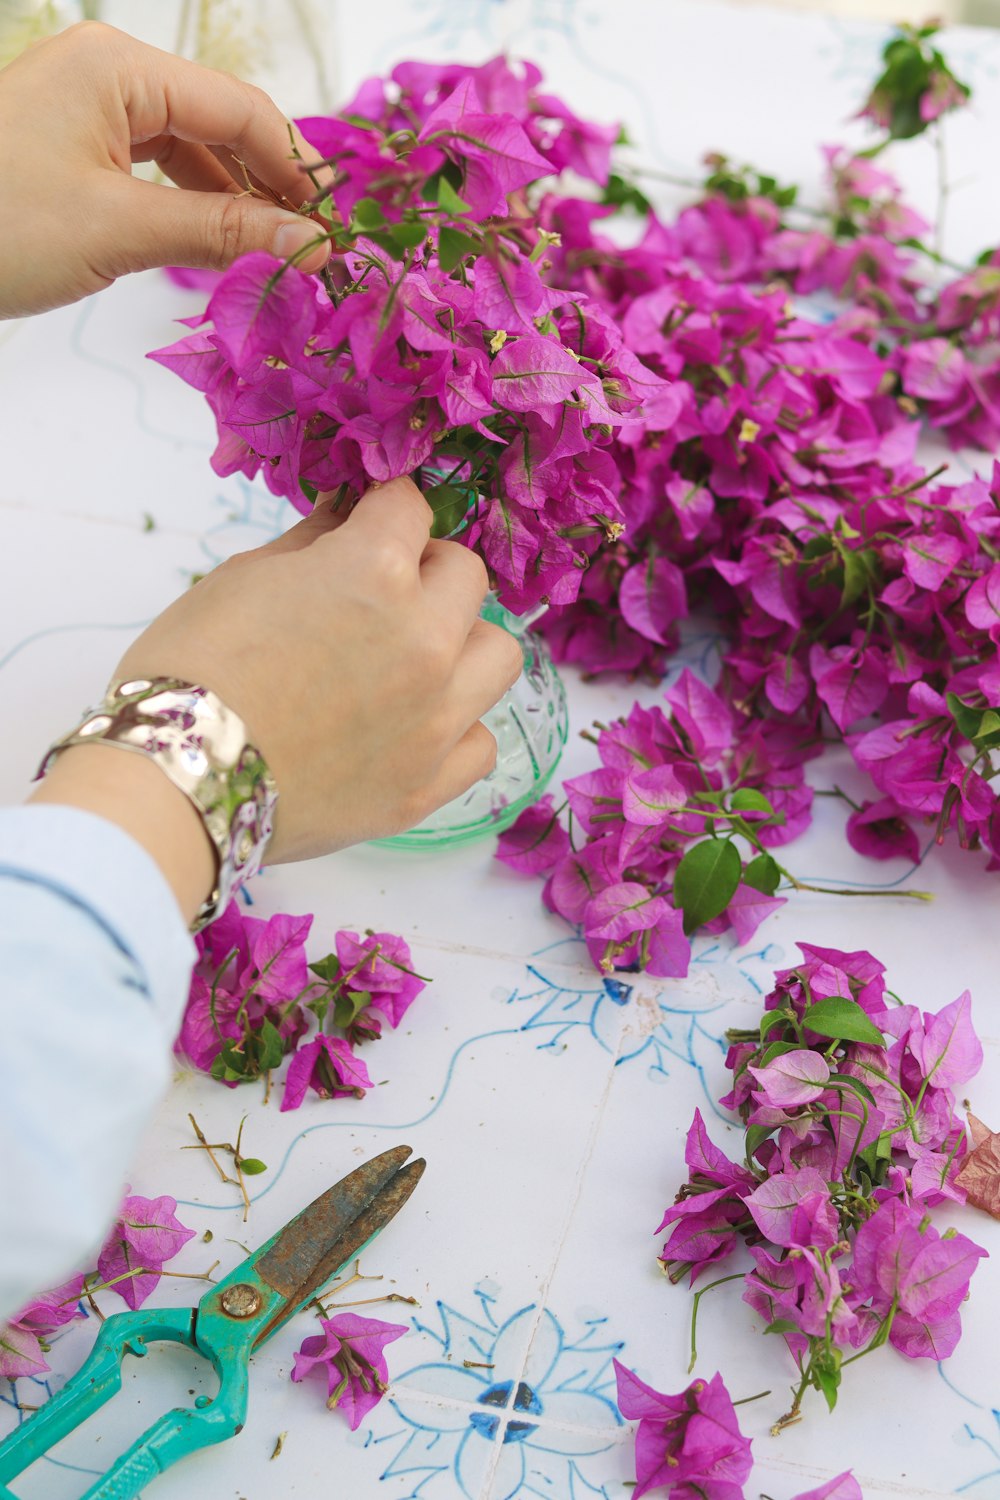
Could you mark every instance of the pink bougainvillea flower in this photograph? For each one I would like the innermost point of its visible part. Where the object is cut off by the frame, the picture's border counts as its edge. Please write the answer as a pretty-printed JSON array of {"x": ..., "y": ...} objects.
[
  {"x": 536, "y": 842},
  {"x": 948, "y": 1051},
  {"x": 24, "y": 1340},
  {"x": 652, "y": 598},
  {"x": 900, "y": 1261},
  {"x": 211, "y": 1016},
  {"x": 349, "y": 1356},
  {"x": 843, "y": 1487},
  {"x": 879, "y": 830},
  {"x": 691, "y": 1440},
  {"x": 774, "y": 1203},
  {"x": 146, "y": 1234},
  {"x": 54, "y": 1309},
  {"x": 380, "y": 966},
  {"x": 20, "y": 1352},
  {"x": 250, "y": 971},
  {"x": 329, "y": 1067},
  {"x": 792, "y": 1078}
]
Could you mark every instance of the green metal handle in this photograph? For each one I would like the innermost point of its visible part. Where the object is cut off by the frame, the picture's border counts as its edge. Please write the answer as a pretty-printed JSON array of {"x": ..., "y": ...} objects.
[{"x": 173, "y": 1436}]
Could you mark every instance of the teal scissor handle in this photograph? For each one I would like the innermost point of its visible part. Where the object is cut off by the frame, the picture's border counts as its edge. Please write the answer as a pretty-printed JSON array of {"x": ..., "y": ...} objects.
[{"x": 174, "y": 1435}]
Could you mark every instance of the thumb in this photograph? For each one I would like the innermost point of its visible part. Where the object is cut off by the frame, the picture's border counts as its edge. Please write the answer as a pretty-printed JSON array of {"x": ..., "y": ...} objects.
[{"x": 157, "y": 225}]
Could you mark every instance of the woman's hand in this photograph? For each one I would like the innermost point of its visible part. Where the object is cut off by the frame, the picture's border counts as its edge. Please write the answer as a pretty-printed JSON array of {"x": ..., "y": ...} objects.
[
  {"x": 77, "y": 110},
  {"x": 355, "y": 656}
]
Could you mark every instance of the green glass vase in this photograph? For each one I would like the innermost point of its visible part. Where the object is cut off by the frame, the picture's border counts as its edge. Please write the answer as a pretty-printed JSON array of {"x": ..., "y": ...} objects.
[{"x": 531, "y": 724}]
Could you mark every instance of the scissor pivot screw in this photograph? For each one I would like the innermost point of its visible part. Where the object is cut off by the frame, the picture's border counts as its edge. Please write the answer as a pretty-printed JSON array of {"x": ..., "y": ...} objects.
[{"x": 241, "y": 1300}]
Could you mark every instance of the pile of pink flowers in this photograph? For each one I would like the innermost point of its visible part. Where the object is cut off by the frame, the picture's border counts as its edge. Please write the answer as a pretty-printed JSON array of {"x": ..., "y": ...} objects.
[
  {"x": 673, "y": 832},
  {"x": 433, "y": 343},
  {"x": 852, "y": 1136},
  {"x": 254, "y": 995},
  {"x": 628, "y": 433}
]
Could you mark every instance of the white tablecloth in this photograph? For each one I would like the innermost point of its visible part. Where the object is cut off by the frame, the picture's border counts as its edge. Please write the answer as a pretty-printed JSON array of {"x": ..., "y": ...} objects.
[{"x": 551, "y": 1107}]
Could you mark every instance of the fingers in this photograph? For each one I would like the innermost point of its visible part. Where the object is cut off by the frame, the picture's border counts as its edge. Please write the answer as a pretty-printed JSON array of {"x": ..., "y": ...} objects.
[
  {"x": 188, "y": 165},
  {"x": 394, "y": 512},
  {"x": 473, "y": 757},
  {"x": 490, "y": 664},
  {"x": 166, "y": 95},
  {"x": 162, "y": 226},
  {"x": 321, "y": 519},
  {"x": 455, "y": 583}
]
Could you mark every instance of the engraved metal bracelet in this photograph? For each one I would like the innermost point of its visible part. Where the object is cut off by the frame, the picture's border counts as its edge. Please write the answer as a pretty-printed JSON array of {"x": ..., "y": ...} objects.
[{"x": 202, "y": 746}]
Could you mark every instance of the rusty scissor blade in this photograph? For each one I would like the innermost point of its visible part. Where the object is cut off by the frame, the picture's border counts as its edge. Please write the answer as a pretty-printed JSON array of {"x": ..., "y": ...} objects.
[{"x": 323, "y": 1237}]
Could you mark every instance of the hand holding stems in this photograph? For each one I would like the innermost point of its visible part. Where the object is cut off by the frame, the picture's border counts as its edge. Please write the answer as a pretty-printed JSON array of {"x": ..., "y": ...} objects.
[
  {"x": 78, "y": 110},
  {"x": 353, "y": 652}
]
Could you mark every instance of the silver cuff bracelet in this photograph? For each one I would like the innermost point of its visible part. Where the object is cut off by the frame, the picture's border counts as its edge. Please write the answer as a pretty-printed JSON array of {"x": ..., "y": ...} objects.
[{"x": 201, "y": 745}]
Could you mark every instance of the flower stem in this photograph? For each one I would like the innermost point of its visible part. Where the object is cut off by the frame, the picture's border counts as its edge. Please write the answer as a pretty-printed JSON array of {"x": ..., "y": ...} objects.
[
  {"x": 736, "y": 1276},
  {"x": 831, "y": 890}
]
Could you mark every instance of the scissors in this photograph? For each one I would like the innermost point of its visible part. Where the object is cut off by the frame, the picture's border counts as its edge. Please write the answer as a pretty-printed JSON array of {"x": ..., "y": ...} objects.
[{"x": 229, "y": 1323}]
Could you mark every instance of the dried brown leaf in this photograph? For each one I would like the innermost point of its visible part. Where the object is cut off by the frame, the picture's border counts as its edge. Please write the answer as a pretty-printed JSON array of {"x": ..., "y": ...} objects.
[{"x": 979, "y": 1173}]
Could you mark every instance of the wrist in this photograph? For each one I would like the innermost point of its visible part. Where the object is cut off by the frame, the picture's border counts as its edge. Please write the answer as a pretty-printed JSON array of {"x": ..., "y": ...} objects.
[
  {"x": 193, "y": 741},
  {"x": 135, "y": 794}
]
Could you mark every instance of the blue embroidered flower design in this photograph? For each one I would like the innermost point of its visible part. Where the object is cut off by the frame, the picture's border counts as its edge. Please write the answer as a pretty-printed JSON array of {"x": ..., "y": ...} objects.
[
  {"x": 719, "y": 974},
  {"x": 984, "y": 1444},
  {"x": 523, "y": 1386}
]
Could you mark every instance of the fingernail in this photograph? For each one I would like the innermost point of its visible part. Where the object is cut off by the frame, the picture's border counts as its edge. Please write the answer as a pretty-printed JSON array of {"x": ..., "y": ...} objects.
[{"x": 291, "y": 239}]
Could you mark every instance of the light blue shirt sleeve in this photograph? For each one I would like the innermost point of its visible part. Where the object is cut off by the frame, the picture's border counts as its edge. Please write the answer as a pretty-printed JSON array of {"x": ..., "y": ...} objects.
[{"x": 95, "y": 963}]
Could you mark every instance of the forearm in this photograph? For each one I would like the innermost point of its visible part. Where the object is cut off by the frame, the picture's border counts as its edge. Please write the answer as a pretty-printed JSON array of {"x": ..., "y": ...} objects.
[
  {"x": 94, "y": 967},
  {"x": 133, "y": 793}
]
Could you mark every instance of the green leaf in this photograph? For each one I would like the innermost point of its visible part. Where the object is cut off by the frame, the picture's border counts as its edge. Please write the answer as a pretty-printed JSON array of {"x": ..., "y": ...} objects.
[
  {"x": 349, "y": 1005},
  {"x": 272, "y": 1048},
  {"x": 251, "y": 1166},
  {"x": 817, "y": 546},
  {"x": 309, "y": 490},
  {"x": 748, "y": 799},
  {"x": 763, "y": 874},
  {"x": 451, "y": 505},
  {"x": 756, "y": 1135},
  {"x": 449, "y": 200},
  {"x": 770, "y": 1019},
  {"x": 842, "y": 1019},
  {"x": 965, "y": 717},
  {"x": 407, "y": 234},
  {"x": 860, "y": 572},
  {"x": 848, "y": 1081},
  {"x": 706, "y": 881},
  {"x": 980, "y": 725},
  {"x": 872, "y": 1164},
  {"x": 361, "y": 121},
  {"x": 366, "y": 215},
  {"x": 327, "y": 969},
  {"x": 826, "y": 1378},
  {"x": 455, "y": 246},
  {"x": 620, "y": 193},
  {"x": 782, "y": 1325},
  {"x": 230, "y": 1066}
]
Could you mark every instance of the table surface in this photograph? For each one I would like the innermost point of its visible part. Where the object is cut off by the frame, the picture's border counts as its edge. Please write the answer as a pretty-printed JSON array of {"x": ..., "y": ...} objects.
[{"x": 551, "y": 1107}]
